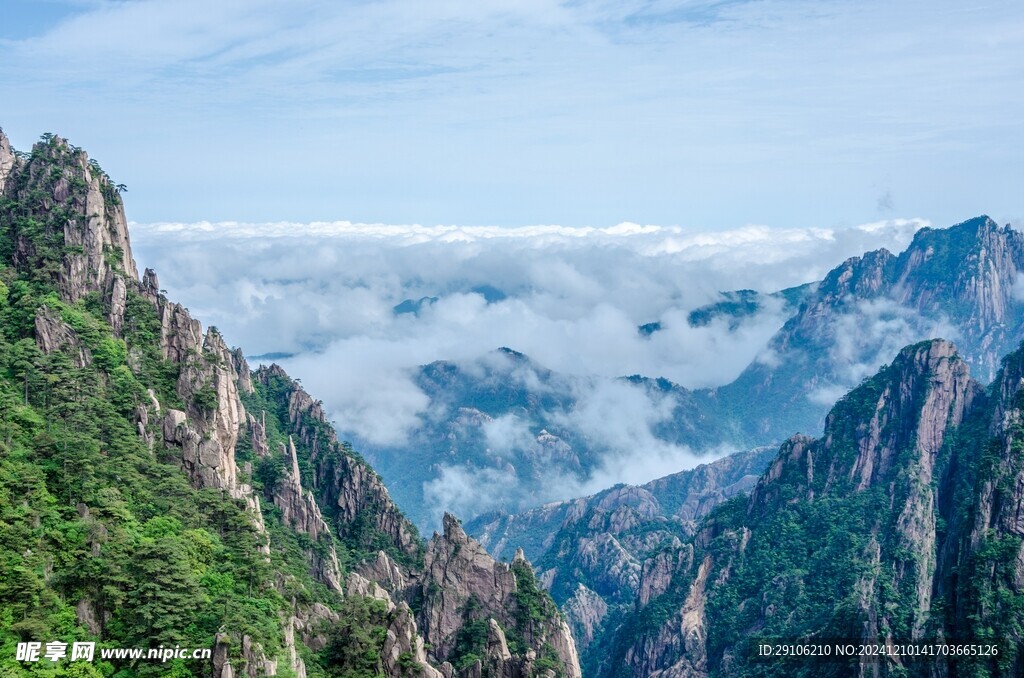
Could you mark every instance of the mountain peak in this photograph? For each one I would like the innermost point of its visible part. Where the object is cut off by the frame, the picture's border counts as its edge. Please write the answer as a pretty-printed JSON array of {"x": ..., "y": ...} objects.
[
  {"x": 7, "y": 159},
  {"x": 963, "y": 234}
]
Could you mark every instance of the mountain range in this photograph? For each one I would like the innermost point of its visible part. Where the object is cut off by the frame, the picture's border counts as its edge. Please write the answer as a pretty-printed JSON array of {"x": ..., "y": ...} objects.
[
  {"x": 537, "y": 430},
  {"x": 157, "y": 492}
]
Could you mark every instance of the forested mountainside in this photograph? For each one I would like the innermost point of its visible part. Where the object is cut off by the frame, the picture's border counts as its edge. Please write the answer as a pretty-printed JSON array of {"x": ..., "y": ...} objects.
[
  {"x": 901, "y": 523},
  {"x": 963, "y": 283},
  {"x": 155, "y": 492}
]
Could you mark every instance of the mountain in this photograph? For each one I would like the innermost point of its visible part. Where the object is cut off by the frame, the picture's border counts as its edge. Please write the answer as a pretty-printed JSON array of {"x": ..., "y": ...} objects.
[
  {"x": 962, "y": 283},
  {"x": 592, "y": 551},
  {"x": 738, "y": 305},
  {"x": 900, "y": 524},
  {"x": 527, "y": 433},
  {"x": 520, "y": 430},
  {"x": 155, "y": 492}
]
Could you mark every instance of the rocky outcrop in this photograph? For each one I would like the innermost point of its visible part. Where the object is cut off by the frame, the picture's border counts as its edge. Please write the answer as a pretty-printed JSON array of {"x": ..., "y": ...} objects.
[
  {"x": 298, "y": 508},
  {"x": 584, "y": 611},
  {"x": 300, "y": 512},
  {"x": 205, "y": 434},
  {"x": 243, "y": 375},
  {"x": 385, "y": 572},
  {"x": 459, "y": 568},
  {"x": 345, "y": 486},
  {"x": 295, "y": 662},
  {"x": 678, "y": 649},
  {"x": 71, "y": 199},
  {"x": 251, "y": 660},
  {"x": 659, "y": 570},
  {"x": 208, "y": 432},
  {"x": 53, "y": 334},
  {"x": 460, "y": 578},
  {"x": 403, "y": 652},
  {"x": 7, "y": 160}
]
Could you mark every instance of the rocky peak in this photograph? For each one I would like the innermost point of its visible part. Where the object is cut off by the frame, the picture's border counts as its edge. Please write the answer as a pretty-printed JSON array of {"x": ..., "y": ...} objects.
[
  {"x": 67, "y": 224},
  {"x": 969, "y": 269},
  {"x": 93, "y": 215},
  {"x": 462, "y": 583},
  {"x": 910, "y": 405},
  {"x": 7, "y": 160},
  {"x": 862, "y": 277},
  {"x": 925, "y": 393},
  {"x": 956, "y": 283}
]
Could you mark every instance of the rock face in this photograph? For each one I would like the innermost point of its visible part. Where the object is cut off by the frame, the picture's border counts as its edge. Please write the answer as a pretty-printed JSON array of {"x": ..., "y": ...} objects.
[
  {"x": 80, "y": 206},
  {"x": 462, "y": 569},
  {"x": 585, "y": 611},
  {"x": 403, "y": 646},
  {"x": 53, "y": 334},
  {"x": 348, "y": 489},
  {"x": 208, "y": 431},
  {"x": 462, "y": 583},
  {"x": 300, "y": 512},
  {"x": 7, "y": 160}
]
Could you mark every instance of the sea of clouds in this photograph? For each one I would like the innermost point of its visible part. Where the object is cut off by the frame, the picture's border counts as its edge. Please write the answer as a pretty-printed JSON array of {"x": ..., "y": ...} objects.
[{"x": 323, "y": 293}]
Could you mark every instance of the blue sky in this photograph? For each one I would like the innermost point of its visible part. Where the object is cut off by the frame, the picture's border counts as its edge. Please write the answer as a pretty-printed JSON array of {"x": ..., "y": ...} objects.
[{"x": 517, "y": 112}]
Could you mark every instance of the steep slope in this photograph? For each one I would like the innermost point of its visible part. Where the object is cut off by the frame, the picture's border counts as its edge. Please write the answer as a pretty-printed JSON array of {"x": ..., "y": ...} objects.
[
  {"x": 898, "y": 525},
  {"x": 441, "y": 585},
  {"x": 154, "y": 492}
]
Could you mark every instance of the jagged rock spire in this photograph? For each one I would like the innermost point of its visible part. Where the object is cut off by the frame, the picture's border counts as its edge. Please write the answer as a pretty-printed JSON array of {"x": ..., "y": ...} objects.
[{"x": 7, "y": 160}]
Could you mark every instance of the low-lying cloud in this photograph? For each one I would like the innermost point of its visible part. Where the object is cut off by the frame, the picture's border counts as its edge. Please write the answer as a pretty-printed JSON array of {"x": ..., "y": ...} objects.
[
  {"x": 325, "y": 291},
  {"x": 868, "y": 336},
  {"x": 570, "y": 298},
  {"x": 616, "y": 417}
]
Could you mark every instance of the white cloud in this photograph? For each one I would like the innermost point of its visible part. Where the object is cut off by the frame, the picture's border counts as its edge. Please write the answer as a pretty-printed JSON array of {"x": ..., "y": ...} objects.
[
  {"x": 868, "y": 335},
  {"x": 1017, "y": 292},
  {"x": 506, "y": 433},
  {"x": 575, "y": 296},
  {"x": 617, "y": 419}
]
